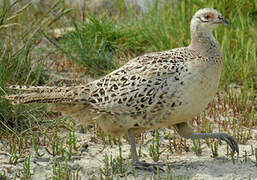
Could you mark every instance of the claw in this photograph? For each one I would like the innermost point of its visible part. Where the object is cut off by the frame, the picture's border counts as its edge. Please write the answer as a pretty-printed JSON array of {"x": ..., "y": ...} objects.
[
  {"x": 220, "y": 136},
  {"x": 231, "y": 142},
  {"x": 148, "y": 167}
]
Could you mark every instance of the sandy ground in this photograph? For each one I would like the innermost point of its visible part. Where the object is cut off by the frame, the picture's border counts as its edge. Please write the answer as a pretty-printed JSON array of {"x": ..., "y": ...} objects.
[{"x": 90, "y": 160}]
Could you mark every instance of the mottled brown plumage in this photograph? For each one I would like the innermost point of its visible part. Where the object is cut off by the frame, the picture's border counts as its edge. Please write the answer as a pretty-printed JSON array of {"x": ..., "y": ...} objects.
[{"x": 155, "y": 90}]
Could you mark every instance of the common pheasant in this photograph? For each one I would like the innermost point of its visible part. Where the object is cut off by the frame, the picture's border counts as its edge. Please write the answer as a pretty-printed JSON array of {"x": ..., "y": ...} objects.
[{"x": 160, "y": 89}]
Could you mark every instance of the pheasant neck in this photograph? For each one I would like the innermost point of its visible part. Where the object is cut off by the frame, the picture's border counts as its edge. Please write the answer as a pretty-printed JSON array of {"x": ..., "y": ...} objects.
[{"x": 207, "y": 45}]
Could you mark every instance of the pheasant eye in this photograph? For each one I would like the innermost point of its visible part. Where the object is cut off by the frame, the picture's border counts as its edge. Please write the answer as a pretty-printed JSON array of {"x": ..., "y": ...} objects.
[
  {"x": 209, "y": 16},
  {"x": 206, "y": 17}
]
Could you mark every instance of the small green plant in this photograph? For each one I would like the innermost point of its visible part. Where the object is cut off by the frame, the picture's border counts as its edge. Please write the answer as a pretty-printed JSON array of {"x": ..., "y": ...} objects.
[
  {"x": 26, "y": 172},
  {"x": 170, "y": 145},
  {"x": 109, "y": 166},
  {"x": 120, "y": 160},
  {"x": 61, "y": 171},
  {"x": 72, "y": 144},
  {"x": 241, "y": 134},
  {"x": 208, "y": 129},
  {"x": 232, "y": 155},
  {"x": 255, "y": 153},
  {"x": 133, "y": 170},
  {"x": 245, "y": 156},
  {"x": 169, "y": 174},
  {"x": 115, "y": 165},
  {"x": 197, "y": 147},
  {"x": 214, "y": 149},
  {"x": 35, "y": 146},
  {"x": 14, "y": 155},
  {"x": 56, "y": 145},
  {"x": 101, "y": 134},
  {"x": 154, "y": 149}
]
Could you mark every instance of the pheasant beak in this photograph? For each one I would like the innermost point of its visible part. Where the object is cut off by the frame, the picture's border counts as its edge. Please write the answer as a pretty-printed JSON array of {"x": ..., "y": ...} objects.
[{"x": 222, "y": 20}]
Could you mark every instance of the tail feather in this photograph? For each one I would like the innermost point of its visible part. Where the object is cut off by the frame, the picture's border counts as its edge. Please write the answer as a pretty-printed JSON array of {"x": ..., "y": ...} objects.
[
  {"x": 43, "y": 94},
  {"x": 37, "y": 98},
  {"x": 38, "y": 88}
]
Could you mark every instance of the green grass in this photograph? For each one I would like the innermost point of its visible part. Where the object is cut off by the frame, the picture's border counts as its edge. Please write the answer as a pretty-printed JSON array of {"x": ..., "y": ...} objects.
[{"x": 19, "y": 64}]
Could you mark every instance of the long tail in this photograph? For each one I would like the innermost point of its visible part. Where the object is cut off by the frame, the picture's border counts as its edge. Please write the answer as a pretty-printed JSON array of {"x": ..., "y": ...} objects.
[{"x": 44, "y": 94}]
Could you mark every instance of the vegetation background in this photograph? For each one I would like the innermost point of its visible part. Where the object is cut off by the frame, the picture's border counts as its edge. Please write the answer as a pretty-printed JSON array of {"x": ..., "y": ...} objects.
[{"x": 104, "y": 38}]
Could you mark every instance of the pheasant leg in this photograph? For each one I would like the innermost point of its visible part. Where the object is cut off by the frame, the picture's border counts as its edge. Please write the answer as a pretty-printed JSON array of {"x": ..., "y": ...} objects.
[
  {"x": 186, "y": 131},
  {"x": 139, "y": 164}
]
